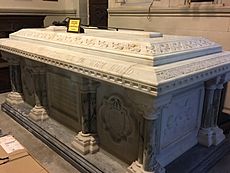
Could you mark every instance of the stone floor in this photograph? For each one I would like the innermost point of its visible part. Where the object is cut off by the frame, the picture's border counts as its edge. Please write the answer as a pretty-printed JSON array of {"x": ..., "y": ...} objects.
[
  {"x": 223, "y": 166},
  {"x": 45, "y": 156},
  {"x": 53, "y": 162}
]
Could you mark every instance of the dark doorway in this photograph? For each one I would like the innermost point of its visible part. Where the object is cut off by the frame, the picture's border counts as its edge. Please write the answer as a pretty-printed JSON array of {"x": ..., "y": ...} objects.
[{"x": 98, "y": 13}]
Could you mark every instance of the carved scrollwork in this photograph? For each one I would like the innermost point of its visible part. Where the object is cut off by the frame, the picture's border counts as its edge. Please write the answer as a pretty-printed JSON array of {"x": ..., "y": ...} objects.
[
  {"x": 11, "y": 60},
  {"x": 35, "y": 67},
  {"x": 116, "y": 119}
]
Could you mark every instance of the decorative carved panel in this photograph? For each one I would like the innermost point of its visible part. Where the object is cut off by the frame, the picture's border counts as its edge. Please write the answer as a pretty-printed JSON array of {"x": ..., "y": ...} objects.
[
  {"x": 118, "y": 128},
  {"x": 115, "y": 117},
  {"x": 181, "y": 117}
]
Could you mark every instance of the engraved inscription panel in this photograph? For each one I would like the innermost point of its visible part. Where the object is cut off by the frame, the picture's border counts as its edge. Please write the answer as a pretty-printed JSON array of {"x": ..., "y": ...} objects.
[{"x": 63, "y": 100}]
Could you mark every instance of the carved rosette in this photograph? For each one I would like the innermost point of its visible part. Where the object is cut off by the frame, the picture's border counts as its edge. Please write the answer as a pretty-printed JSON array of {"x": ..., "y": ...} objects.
[
  {"x": 165, "y": 47},
  {"x": 116, "y": 119}
]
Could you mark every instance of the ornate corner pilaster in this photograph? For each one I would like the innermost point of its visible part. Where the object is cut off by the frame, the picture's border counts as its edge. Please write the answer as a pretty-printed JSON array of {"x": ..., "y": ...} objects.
[
  {"x": 209, "y": 133},
  {"x": 38, "y": 71},
  {"x": 147, "y": 161},
  {"x": 15, "y": 96},
  {"x": 148, "y": 143},
  {"x": 88, "y": 89},
  {"x": 86, "y": 141}
]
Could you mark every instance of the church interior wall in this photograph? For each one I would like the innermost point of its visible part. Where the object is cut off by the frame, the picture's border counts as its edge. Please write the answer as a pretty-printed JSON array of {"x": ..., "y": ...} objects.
[
  {"x": 54, "y": 10},
  {"x": 174, "y": 17}
]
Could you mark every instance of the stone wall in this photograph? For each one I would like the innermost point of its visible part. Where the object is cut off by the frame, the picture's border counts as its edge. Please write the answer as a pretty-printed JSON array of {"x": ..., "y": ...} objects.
[
  {"x": 54, "y": 10},
  {"x": 37, "y": 5},
  {"x": 207, "y": 19}
]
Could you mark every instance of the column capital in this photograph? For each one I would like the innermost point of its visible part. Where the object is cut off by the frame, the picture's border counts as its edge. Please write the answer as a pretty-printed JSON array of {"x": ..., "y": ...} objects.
[
  {"x": 152, "y": 110},
  {"x": 10, "y": 58},
  {"x": 88, "y": 85},
  {"x": 227, "y": 77},
  {"x": 217, "y": 82},
  {"x": 207, "y": 136},
  {"x": 36, "y": 67}
]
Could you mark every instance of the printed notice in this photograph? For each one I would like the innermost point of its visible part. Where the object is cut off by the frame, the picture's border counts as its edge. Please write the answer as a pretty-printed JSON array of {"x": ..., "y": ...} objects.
[
  {"x": 10, "y": 144},
  {"x": 74, "y": 25}
]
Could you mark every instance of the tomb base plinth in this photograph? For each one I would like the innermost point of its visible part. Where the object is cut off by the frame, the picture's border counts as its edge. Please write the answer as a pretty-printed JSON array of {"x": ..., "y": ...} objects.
[
  {"x": 14, "y": 98},
  {"x": 136, "y": 167},
  {"x": 85, "y": 143},
  {"x": 38, "y": 113},
  {"x": 218, "y": 135},
  {"x": 210, "y": 136}
]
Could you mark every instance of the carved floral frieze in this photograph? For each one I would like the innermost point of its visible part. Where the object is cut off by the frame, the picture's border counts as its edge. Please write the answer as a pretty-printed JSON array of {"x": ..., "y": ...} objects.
[
  {"x": 149, "y": 48},
  {"x": 150, "y": 80},
  {"x": 147, "y": 79},
  {"x": 191, "y": 68}
]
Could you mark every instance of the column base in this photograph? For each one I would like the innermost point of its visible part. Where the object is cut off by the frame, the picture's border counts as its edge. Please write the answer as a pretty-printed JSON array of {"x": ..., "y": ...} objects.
[
  {"x": 14, "y": 98},
  {"x": 85, "y": 143},
  {"x": 205, "y": 137},
  {"x": 38, "y": 113},
  {"x": 136, "y": 167},
  {"x": 210, "y": 136},
  {"x": 218, "y": 135}
]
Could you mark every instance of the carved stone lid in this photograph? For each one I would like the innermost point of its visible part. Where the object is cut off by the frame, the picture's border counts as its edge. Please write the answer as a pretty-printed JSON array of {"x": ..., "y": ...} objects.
[
  {"x": 146, "y": 48},
  {"x": 150, "y": 80}
]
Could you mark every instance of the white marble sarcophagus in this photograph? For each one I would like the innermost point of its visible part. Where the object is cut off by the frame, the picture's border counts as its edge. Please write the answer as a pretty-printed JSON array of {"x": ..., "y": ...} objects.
[{"x": 147, "y": 97}]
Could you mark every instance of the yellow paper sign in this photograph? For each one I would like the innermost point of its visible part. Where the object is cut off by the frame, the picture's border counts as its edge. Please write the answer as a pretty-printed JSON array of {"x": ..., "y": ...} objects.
[{"x": 74, "y": 25}]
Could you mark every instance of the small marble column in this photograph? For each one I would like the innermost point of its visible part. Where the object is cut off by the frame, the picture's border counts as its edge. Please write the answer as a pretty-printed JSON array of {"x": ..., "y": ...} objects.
[
  {"x": 137, "y": 166},
  {"x": 210, "y": 133},
  {"x": 86, "y": 140},
  {"x": 148, "y": 163},
  {"x": 218, "y": 135},
  {"x": 39, "y": 112},
  {"x": 15, "y": 96}
]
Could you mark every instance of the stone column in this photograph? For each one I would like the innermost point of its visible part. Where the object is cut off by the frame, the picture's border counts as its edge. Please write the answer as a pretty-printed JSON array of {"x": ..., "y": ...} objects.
[
  {"x": 86, "y": 140},
  {"x": 148, "y": 144},
  {"x": 137, "y": 166},
  {"x": 15, "y": 96},
  {"x": 210, "y": 133},
  {"x": 218, "y": 135},
  {"x": 38, "y": 71}
]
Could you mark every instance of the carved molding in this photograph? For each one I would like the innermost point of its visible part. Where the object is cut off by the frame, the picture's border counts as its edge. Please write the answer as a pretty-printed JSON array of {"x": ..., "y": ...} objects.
[
  {"x": 146, "y": 79},
  {"x": 112, "y": 73},
  {"x": 191, "y": 68},
  {"x": 135, "y": 47}
]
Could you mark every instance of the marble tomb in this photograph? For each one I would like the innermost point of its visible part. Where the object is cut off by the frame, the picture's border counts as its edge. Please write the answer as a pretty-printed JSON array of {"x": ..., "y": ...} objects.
[{"x": 142, "y": 96}]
